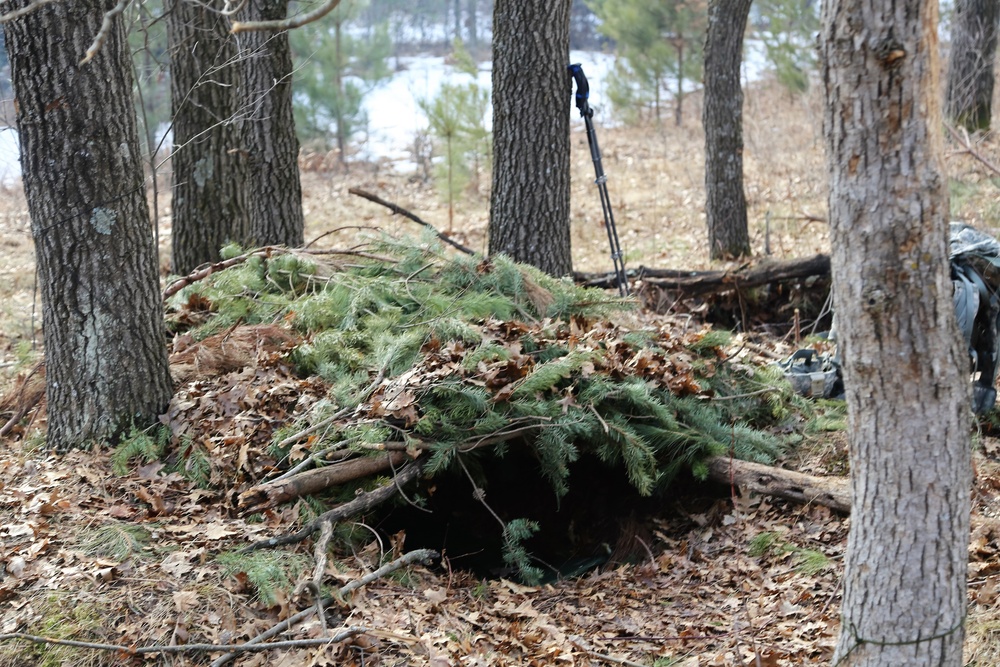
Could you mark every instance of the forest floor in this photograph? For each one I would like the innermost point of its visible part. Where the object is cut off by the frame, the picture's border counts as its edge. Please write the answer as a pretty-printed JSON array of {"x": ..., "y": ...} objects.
[{"x": 720, "y": 578}]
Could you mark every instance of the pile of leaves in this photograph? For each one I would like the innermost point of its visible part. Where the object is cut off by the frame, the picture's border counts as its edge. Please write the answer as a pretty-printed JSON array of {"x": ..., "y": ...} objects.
[{"x": 448, "y": 360}]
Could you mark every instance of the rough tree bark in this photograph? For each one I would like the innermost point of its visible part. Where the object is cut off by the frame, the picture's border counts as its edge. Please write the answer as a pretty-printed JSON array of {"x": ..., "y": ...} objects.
[
  {"x": 905, "y": 367},
  {"x": 105, "y": 349},
  {"x": 722, "y": 118},
  {"x": 209, "y": 172},
  {"x": 274, "y": 190},
  {"x": 969, "y": 97},
  {"x": 529, "y": 206}
]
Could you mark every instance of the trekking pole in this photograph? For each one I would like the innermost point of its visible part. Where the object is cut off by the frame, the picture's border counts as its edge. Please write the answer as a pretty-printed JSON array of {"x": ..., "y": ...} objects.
[{"x": 582, "y": 93}]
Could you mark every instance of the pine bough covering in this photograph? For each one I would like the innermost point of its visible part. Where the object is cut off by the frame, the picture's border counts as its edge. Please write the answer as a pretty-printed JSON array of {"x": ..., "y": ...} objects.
[{"x": 465, "y": 358}]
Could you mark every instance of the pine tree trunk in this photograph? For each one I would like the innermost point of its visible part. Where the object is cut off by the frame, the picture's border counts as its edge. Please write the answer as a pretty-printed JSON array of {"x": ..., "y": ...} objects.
[
  {"x": 338, "y": 81},
  {"x": 906, "y": 371},
  {"x": 209, "y": 170},
  {"x": 473, "y": 24},
  {"x": 969, "y": 98},
  {"x": 679, "y": 107},
  {"x": 274, "y": 191},
  {"x": 105, "y": 350},
  {"x": 529, "y": 206},
  {"x": 722, "y": 118}
]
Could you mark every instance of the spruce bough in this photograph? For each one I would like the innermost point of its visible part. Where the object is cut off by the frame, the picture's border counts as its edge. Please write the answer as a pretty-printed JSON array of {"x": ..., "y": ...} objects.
[{"x": 465, "y": 358}]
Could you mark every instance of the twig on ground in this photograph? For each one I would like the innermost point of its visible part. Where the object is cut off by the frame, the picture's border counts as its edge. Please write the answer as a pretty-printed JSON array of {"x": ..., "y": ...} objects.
[
  {"x": 586, "y": 648},
  {"x": 315, "y": 584},
  {"x": 360, "y": 504},
  {"x": 406, "y": 214},
  {"x": 188, "y": 648},
  {"x": 967, "y": 146},
  {"x": 419, "y": 555}
]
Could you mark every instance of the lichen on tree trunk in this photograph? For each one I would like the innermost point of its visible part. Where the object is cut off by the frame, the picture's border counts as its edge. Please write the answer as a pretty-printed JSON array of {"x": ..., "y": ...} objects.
[
  {"x": 105, "y": 350},
  {"x": 209, "y": 175},
  {"x": 905, "y": 367}
]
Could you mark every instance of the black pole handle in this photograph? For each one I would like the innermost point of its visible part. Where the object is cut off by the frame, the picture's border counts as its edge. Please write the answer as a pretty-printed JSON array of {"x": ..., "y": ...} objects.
[{"x": 582, "y": 89}]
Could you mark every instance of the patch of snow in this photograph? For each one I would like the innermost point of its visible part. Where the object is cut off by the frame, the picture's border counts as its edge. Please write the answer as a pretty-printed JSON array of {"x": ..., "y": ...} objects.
[
  {"x": 394, "y": 114},
  {"x": 393, "y": 107},
  {"x": 10, "y": 163}
]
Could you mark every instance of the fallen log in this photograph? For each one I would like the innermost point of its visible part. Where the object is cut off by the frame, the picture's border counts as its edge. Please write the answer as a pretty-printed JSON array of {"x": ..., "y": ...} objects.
[
  {"x": 832, "y": 492},
  {"x": 271, "y": 494},
  {"x": 694, "y": 283}
]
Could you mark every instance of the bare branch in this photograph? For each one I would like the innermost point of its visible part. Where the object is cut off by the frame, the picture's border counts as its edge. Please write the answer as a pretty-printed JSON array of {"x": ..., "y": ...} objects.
[
  {"x": 18, "y": 13},
  {"x": 102, "y": 34},
  {"x": 966, "y": 143},
  {"x": 362, "y": 503},
  {"x": 407, "y": 214},
  {"x": 227, "y": 10},
  {"x": 187, "y": 648},
  {"x": 406, "y": 559},
  {"x": 289, "y": 23}
]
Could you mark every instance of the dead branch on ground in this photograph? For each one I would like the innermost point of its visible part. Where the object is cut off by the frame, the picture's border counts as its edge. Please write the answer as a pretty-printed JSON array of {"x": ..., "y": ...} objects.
[
  {"x": 362, "y": 503},
  {"x": 967, "y": 147},
  {"x": 832, "y": 492},
  {"x": 585, "y": 647},
  {"x": 407, "y": 214},
  {"x": 270, "y": 494},
  {"x": 695, "y": 283},
  {"x": 187, "y": 648},
  {"x": 420, "y": 555}
]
